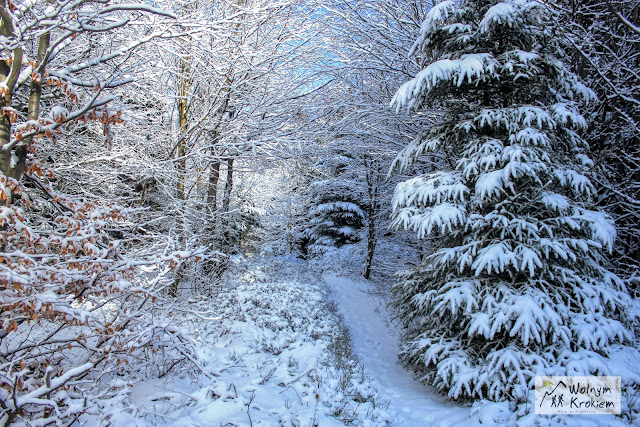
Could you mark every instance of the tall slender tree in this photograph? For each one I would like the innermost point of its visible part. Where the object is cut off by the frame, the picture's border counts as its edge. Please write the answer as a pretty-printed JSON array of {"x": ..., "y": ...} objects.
[{"x": 369, "y": 43}]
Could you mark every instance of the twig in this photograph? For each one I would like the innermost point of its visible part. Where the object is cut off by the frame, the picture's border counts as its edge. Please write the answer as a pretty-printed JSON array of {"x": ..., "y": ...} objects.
[
  {"x": 307, "y": 372},
  {"x": 268, "y": 376},
  {"x": 253, "y": 396},
  {"x": 197, "y": 365}
]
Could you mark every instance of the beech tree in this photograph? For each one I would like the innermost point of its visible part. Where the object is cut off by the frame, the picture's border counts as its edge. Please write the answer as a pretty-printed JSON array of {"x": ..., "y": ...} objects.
[
  {"x": 232, "y": 86},
  {"x": 517, "y": 283},
  {"x": 75, "y": 304}
]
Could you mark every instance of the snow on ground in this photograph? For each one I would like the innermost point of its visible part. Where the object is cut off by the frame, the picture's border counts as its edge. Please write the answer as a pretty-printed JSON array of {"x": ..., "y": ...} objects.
[
  {"x": 363, "y": 305},
  {"x": 277, "y": 355},
  {"x": 288, "y": 342},
  {"x": 375, "y": 342}
]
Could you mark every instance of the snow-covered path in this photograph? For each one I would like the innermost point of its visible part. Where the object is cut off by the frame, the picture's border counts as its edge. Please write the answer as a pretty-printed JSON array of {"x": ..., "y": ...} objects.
[
  {"x": 374, "y": 341},
  {"x": 276, "y": 354}
]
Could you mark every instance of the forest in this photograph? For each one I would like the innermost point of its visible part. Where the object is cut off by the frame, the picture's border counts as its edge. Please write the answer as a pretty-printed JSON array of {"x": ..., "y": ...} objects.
[{"x": 316, "y": 212}]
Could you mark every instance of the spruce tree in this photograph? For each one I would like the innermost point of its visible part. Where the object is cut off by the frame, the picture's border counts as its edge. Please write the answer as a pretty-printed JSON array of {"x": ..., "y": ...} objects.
[
  {"x": 336, "y": 216},
  {"x": 516, "y": 284}
]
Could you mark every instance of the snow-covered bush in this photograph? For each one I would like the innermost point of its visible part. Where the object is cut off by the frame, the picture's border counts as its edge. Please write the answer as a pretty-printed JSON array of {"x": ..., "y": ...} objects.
[
  {"x": 516, "y": 285},
  {"x": 278, "y": 354},
  {"x": 336, "y": 215}
]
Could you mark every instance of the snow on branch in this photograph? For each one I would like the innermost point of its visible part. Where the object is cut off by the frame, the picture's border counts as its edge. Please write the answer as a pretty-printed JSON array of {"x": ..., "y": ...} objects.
[
  {"x": 429, "y": 189},
  {"x": 338, "y": 206},
  {"x": 435, "y": 18},
  {"x": 54, "y": 384},
  {"x": 469, "y": 67},
  {"x": 441, "y": 217}
]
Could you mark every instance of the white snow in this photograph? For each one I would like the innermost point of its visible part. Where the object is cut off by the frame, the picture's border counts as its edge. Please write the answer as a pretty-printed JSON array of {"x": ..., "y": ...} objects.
[
  {"x": 435, "y": 17},
  {"x": 269, "y": 341},
  {"x": 438, "y": 13},
  {"x": 555, "y": 201},
  {"x": 428, "y": 189},
  {"x": 276, "y": 353},
  {"x": 501, "y": 13},
  {"x": 338, "y": 206},
  {"x": 455, "y": 70},
  {"x": 601, "y": 225},
  {"x": 58, "y": 112},
  {"x": 441, "y": 217},
  {"x": 375, "y": 343},
  {"x": 496, "y": 258},
  {"x": 490, "y": 183}
]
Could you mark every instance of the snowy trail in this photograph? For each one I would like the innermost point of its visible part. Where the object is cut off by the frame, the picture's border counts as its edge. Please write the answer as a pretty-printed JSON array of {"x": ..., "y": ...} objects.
[{"x": 411, "y": 404}]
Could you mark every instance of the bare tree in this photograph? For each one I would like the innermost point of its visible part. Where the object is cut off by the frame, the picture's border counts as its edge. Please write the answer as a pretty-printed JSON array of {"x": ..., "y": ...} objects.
[{"x": 604, "y": 37}]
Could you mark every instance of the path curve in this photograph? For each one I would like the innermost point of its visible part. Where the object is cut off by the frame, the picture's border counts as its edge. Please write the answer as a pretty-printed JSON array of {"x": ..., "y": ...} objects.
[{"x": 375, "y": 343}]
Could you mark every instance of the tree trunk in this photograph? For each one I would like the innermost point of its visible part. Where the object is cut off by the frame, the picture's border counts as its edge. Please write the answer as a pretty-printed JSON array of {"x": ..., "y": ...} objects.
[
  {"x": 212, "y": 189},
  {"x": 33, "y": 106},
  {"x": 371, "y": 241},
  {"x": 226, "y": 203},
  {"x": 183, "y": 112},
  {"x": 183, "y": 117},
  {"x": 373, "y": 177},
  {"x": 214, "y": 174},
  {"x": 12, "y": 157}
]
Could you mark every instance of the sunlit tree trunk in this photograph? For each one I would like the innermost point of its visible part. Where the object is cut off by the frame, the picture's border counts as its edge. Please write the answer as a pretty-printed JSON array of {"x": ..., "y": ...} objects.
[
  {"x": 212, "y": 189},
  {"x": 214, "y": 168},
  {"x": 183, "y": 118},
  {"x": 12, "y": 153}
]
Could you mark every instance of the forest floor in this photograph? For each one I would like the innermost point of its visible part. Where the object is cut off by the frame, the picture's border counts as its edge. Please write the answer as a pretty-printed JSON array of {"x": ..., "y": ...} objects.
[{"x": 288, "y": 342}]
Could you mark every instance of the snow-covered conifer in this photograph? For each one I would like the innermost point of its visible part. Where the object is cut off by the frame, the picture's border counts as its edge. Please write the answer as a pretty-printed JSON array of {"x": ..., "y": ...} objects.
[
  {"x": 516, "y": 285},
  {"x": 336, "y": 215}
]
